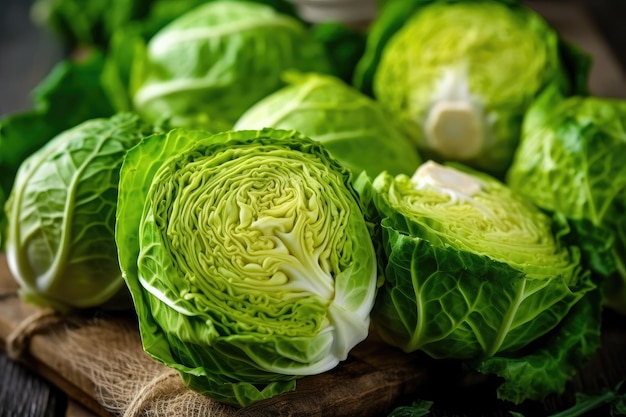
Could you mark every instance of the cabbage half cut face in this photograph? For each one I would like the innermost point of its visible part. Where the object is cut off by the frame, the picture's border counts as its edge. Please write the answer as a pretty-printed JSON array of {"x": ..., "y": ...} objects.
[
  {"x": 471, "y": 269},
  {"x": 248, "y": 258}
]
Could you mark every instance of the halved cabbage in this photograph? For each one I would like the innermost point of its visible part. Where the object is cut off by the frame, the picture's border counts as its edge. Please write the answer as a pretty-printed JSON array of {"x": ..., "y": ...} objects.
[
  {"x": 248, "y": 258},
  {"x": 476, "y": 272}
]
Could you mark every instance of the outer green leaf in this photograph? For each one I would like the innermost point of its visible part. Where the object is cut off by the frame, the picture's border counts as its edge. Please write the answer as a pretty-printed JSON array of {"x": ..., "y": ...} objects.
[
  {"x": 81, "y": 23},
  {"x": 355, "y": 129},
  {"x": 247, "y": 256},
  {"x": 93, "y": 23},
  {"x": 547, "y": 369},
  {"x": 60, "y": 245},
  {"x": 344, "y": 45},
  {"x": 586, "y": 403},
  {"x": 208, "y": 66},
  {"x": 569, "y": 161}
]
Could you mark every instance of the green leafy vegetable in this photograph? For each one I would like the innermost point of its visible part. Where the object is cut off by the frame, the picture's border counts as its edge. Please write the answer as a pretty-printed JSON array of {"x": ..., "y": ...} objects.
[
  {"x": 60, "y": 245},
  {"x": 472, "y": 270},
  {"x": 462, "y": 74},
  {"x": 248, "y": 258},
  {"x": 570, "y": 161},
  {"x": 3, "y": 219},
  {"x": 354, "y": 128},
  {"x": 419, "y": 408},
  {"x": 78, "y": 22},
  {"x": 533, "y": 374},
  {"x": 208, "y": 66},
  {"x": 585, "y": 403}
]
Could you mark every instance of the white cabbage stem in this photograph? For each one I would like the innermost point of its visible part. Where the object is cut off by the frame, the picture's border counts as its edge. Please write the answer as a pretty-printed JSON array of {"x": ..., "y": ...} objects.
[{"x": 455, "y": 124}]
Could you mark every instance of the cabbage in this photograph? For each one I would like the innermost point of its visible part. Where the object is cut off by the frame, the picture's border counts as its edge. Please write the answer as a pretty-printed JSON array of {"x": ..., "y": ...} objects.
[
  {"x": 462, "y": 74},
  {"x": 571, "y": 161},
  {"x": 60, "y": 243},
  {"x": 472, "y": 271},
  {"x": 354, "y": 128},
  {"x": 209, "y": 65},
  {"x": 247, "y": 256}
]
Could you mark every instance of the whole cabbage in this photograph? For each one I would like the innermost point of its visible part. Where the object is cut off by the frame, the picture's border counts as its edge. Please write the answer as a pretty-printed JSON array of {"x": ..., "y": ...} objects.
[
  {"x": 209, "y": 65},
  {"x": 571, "y": 161},
  {"x": 354, "y": 128},
  {"x": 60, "y": 242},
  {"x": 462, "y": 74},
  {"x": 248, "y": 257}
]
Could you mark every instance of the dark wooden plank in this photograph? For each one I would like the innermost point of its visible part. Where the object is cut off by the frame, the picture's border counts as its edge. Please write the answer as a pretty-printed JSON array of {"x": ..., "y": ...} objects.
[
  {"x": 24, "y": 394},
  {"x": 75, "y": 409}
]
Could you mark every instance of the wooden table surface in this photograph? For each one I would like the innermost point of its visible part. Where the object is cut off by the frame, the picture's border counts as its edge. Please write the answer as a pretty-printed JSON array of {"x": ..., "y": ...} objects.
[{"x": 27, "y": 53}]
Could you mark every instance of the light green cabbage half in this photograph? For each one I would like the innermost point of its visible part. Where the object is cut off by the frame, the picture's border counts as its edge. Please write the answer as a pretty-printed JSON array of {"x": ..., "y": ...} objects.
[
  {"x": 473, "y": 271},
  {"x": 60, "y": 243},
  {"x": 354, "y": 128},
  {"x": 248, "y": 258},
  {"x": 462, "y": 74},
  {"x": 571, "y": 161},
  {"x": 209, "y": 65}
]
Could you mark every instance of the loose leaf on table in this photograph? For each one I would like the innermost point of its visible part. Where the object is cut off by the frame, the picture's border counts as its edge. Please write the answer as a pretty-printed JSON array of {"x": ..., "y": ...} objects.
[{"x": 546, "y": 366}]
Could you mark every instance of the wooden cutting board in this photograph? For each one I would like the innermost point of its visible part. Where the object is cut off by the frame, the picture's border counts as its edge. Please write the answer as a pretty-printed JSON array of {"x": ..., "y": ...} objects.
[{"x": 369, "y": 382}]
